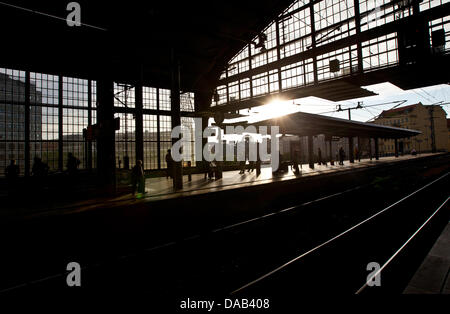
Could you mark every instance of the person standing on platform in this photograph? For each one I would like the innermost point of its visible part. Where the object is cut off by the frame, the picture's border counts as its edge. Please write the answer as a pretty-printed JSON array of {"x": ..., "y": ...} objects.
[
  {"x": 295, "y": 162},
  {"x": 72, "y": 164},
  {"x": 138, "y": 178},
  {"x": 39, "y": 169},
  {"x": 169, "y": 162},
  {"x": 12, "y": 175},
  {"x": 251, "y": 166},
  {"x": 319, "y": 154},
  {"x": 341, "y": 156},
  {"x": 241, "y": 167}
]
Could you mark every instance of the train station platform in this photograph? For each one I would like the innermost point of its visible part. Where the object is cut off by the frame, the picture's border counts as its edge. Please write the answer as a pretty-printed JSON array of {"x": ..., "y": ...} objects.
[
  {"x": 161, "y": 189},
  {"x": 433, "y": 276}
]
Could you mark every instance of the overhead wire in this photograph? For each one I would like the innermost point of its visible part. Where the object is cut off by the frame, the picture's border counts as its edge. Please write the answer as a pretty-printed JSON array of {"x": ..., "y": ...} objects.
[{"x": 47, "y": 15}]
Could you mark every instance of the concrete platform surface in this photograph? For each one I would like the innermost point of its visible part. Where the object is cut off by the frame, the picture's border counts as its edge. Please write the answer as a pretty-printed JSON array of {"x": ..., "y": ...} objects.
[
  {"x": 433, "y": 276},
  {"x": 158, "y": 189}
]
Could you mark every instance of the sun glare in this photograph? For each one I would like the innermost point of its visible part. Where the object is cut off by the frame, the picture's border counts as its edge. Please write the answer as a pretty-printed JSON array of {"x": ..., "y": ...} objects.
[{"x": 275, "y": 109}]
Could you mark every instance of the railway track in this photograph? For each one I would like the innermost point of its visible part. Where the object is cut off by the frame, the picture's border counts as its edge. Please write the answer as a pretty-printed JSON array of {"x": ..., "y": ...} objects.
[{"x": 291, "y": 250}]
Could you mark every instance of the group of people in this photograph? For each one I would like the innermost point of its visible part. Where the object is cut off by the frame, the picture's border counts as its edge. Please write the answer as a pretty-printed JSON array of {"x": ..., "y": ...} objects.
[{"x": 39, "y": 170}]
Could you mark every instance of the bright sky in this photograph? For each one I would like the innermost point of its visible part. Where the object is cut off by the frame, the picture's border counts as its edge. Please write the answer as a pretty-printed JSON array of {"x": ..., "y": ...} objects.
[{"x": 387, "y": 93}]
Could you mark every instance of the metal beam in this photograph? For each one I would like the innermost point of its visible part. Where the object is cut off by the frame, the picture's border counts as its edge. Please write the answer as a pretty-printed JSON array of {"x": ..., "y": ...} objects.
[
  {"x": 176, "y": 116},
  {"x": 139, "y": 123},
  {"x": 27, "y": 124},
  {"x": 60, "y": 124},
  {"x": 89, "y": 142}
]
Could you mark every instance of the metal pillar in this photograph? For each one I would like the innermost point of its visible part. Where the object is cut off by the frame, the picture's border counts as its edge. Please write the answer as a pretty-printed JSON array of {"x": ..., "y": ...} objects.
[
  {"x": 370, "y": 149},
  {"x": 89, "y": 141},
  {"x": 331, "y": 152},
  {"x": 60, "y": 124},
  {"x": 359, "y": 149},
  {"x": 27, "y": 124},
  {"x": 176, "y": 117},
  {"x": 311, "y": 151},
  {"x": 139, "y": 124},
  {"x": 106, "y": 138},
  {"x": 396, "y": 147},
  {"x": 432, "y": 129},
  {"x": 204, "y": 142},
  {"x": 351, "y": 156},
  {"x": 158, "y": 130},
  {"x": 377, "y": 151}
]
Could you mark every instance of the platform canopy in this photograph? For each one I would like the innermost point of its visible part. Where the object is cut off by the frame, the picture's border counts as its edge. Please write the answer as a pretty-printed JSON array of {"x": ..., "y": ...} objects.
[{"x": 303, "y": 124}]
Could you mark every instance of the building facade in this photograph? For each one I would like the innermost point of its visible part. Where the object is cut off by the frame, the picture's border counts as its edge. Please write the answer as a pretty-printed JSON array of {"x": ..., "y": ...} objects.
[{"x": 430, "y": 120}]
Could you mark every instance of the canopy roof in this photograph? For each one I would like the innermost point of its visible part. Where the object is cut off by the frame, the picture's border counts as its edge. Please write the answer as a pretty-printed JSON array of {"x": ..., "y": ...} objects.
[{"x": 302, "y": 124}]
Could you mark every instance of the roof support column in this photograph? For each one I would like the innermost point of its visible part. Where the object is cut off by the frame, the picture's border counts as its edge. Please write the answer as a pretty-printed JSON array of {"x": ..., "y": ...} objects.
[
  {"x": 330, "y": 142},
  {"x": 27, "y": 124},
  {"x": 370, "y": 148},
  {"x": 202, "y": 101},
  {"x": 139, "y": 124},
  {"x": 311, "y": 151},
  {"x": 176, "y": 117},
  {"x": 60, "y": 125},
  {"x": 158, "y": 132},
  {"x": 106, "y": 142},
  {"x": 358, "y": 156},
  {"x": 396, "y": 147},
  {"x": 89, "y": 140},
  {"x": 377, "y": 151},
  {"x": 351, "y": 156}
]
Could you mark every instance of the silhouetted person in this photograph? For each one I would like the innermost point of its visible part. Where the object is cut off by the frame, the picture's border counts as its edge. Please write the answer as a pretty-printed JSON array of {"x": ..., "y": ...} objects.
[
  {"x": 341, "y": 156},
  {"x": 39, "y": 169},
  {"x": 169, "y": 162},
  {"x": 258, "y": 167},
  {"x": 319, "y": 155},
  {"x": 12, "y": 175},
  {"x": 251, "y": 166},
  {"x": 72, "y": 164},
  {"x": 296, "y": 162},
  {"x": 138, "y": 178},
  {"x": 357, "y": 154},
  {"x": 209, "y": 170},
  {"x": 242, "y": 166}
]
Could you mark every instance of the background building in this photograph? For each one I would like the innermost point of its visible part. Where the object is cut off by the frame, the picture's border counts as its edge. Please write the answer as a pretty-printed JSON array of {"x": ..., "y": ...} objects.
[{"x": 430, "y": 120}]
